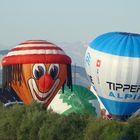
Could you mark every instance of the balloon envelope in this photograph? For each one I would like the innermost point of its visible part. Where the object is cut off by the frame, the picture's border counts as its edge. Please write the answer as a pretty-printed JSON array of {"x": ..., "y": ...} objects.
[
  {"x": 112, "y": 62},
  {"x": 80, "y": 100},
  {"x": 36, "y": 69}
]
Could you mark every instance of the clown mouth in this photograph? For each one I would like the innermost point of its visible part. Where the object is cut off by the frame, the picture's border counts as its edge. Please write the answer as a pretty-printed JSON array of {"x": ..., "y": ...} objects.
[{"x": 42, "y": 97}]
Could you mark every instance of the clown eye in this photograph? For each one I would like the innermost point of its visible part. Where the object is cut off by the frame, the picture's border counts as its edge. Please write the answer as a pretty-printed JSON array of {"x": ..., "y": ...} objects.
[
  {"x": 54, "y": 70},
  {"x": 38, "y": 70}
]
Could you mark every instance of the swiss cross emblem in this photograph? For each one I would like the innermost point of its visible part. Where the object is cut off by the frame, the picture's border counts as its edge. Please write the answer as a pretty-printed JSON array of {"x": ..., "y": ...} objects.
[{"x": 98, "y": 63}]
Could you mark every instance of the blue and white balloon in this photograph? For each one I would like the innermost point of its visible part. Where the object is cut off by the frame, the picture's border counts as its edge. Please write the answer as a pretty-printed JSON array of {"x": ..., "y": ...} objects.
[{"x": 112, "y": 62}]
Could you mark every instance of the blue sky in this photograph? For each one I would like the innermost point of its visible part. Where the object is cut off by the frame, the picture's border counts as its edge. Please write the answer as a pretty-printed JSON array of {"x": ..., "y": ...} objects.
[{"x": 65, "y": 20}]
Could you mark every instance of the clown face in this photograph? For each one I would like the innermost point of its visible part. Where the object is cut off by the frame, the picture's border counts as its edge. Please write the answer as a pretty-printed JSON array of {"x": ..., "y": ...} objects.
[
  {"x": 40, "y": 82},
  {"x": 44, "y": 81}
]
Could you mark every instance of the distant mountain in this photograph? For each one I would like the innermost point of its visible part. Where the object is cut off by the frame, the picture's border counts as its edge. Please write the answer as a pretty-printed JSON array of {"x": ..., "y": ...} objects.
[
  {"x": 75, "y": 50},
  {"x": 3, "y": 52},
  {"x": 79, "y": 76}
]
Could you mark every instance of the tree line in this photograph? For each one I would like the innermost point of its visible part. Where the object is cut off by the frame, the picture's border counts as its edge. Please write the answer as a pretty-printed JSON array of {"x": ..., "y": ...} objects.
[{"x": 35, "y": 122}]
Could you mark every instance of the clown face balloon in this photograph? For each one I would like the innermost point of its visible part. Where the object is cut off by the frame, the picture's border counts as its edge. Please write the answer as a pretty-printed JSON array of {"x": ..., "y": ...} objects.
[{"x": 36, "y": 69}]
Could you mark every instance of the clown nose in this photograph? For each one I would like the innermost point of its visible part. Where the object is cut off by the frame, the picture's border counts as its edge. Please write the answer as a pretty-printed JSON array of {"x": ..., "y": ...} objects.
[{"x": 45, "y": 82}]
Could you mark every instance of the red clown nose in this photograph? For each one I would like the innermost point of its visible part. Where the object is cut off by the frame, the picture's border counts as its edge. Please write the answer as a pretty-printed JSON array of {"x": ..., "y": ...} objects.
[{"x": 45, "y": 82}]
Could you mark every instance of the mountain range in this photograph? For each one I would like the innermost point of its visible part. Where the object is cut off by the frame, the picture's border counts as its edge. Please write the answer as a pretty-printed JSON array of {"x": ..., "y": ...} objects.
[{"x": 75, "y": 50}]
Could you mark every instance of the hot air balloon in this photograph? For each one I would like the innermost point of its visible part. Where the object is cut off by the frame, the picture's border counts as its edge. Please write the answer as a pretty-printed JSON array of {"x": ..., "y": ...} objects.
[
  {"x": 36, "y": 69},
  {"x": 112, "y": 62},
  {"x": 79, "y": 101}
]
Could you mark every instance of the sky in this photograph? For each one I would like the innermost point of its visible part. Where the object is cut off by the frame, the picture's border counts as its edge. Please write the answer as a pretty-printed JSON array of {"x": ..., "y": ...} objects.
[{"x": 65, "y": 20}]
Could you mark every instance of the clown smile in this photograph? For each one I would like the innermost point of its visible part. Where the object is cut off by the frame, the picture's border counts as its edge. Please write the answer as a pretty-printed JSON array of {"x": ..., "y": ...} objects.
[{"x": 42, "y": 97}]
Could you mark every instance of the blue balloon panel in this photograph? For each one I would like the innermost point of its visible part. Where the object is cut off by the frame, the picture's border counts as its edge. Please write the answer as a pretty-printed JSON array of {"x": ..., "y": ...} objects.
[
  {"x": 118, "y": 43},
  {"x": 120, "y": 108}
]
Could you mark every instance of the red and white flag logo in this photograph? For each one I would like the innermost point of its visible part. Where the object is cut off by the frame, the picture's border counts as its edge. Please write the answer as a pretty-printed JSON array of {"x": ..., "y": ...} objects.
[{"x": 98, "y": 63}]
